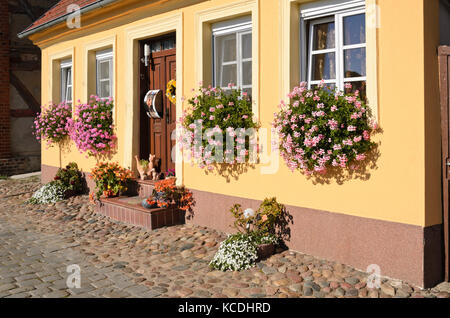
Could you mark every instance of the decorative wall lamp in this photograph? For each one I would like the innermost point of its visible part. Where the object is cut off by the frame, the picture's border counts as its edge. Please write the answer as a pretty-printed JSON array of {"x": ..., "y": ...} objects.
[{"x": 146, "y": 54}]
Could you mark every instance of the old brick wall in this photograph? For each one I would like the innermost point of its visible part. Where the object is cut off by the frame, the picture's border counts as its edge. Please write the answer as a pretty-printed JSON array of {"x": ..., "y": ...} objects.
[
  {"x": 20, "y": 86},
  {"x": 5, "y": 149}
]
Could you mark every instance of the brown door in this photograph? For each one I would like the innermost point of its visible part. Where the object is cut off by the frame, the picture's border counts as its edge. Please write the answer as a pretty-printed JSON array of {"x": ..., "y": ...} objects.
[
  {"x": 156, "y": 133},
  {"x": 444, "y": 74}
]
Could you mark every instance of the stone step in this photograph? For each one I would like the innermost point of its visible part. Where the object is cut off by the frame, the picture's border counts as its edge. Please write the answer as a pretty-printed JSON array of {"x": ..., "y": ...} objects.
[
  {"x": 130, "y": 211},
  {"x": 145, "y": 188}
]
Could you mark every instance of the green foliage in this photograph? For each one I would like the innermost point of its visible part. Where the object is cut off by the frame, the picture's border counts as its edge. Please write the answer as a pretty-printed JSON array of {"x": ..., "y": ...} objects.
[
  {"x": 256, "y": 237},
  {"x": 71, "y": 178},
  {"x": 110, "y": 179},
  {"x": 269, "y": 214},
  {"x": 240, "y": 251},
  {"x": 264, "y": 221},
  {"x": 144, "y": 164}
]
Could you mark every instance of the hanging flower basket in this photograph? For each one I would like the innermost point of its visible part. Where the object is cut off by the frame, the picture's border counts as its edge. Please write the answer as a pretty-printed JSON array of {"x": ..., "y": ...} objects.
[
  {"x": 50, "y": 124},
  {"x": 218, "y": 116},
  {"x": 321, "y": 129},
  {"x": 92, "y": 129}
]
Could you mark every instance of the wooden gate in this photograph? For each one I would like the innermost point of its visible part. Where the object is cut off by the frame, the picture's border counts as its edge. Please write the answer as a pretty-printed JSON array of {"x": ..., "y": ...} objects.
[{"x": 444, "y": 79}]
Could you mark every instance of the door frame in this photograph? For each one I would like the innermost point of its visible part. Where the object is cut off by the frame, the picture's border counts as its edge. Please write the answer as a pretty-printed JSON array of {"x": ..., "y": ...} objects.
[
  {"x": 148, "y": 28},
  {"x": 145, "y": 124},
  {"x": 444, "y": 87}
]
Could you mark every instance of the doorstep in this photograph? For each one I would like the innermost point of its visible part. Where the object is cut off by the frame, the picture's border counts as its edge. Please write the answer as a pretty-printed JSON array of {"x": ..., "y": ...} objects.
[
  {"x": 129, "y": 210},
  {"x": 145, "y": 187}
]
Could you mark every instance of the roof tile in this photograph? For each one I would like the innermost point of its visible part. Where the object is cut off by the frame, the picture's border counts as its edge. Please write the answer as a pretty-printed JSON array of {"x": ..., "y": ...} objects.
[{"x": 57, "y": 11}]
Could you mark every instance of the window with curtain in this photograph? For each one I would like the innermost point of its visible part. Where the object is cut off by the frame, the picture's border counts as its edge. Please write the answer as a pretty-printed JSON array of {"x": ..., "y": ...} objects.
[
  {"x": 104, "y": 73},
  {"x": 337, "y": 50},
  {"x": 66, "y": 81},
  {"x": 232, "y": 58}
]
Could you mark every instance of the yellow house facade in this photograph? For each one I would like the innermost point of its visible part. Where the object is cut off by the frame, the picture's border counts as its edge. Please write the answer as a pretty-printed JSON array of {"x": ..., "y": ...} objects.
[{"x": 391, "y": 217}]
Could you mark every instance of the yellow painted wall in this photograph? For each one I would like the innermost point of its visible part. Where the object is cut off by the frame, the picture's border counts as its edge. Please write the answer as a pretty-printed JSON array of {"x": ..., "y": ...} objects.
[{"x": 405, "y": 186}]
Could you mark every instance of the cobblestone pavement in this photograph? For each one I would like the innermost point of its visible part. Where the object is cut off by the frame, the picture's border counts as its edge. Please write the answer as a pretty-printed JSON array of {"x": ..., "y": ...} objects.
[{"x": 37, "y": 243}]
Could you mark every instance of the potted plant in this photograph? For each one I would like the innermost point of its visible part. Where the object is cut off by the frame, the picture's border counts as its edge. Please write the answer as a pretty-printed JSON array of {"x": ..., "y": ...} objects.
[
  {"x": 167, "y": 194},
  {"x": 170, "y": 173},
  {"x": 260, "y": 224},
  {"x": 256, "y": 238},
  {"x": 71, "y": 178},
  {"x": 322, "y": 130},
  {"x": 269, "y": 215},
  {"x": 50, "y": 124},
  {"x": 92, "y": 128},
  {"x": 111, "y": 179},
  {"x": 156, "y": 200},
  {"x": 215, "y": 111}
]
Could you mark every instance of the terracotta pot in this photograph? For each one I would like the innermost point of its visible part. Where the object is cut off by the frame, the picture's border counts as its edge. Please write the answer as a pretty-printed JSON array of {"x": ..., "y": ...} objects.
[{"x": 265, "y": 251}]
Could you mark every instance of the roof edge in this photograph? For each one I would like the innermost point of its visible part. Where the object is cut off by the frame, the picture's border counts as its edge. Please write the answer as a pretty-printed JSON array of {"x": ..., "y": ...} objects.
[{"x": 88, "y": 8}]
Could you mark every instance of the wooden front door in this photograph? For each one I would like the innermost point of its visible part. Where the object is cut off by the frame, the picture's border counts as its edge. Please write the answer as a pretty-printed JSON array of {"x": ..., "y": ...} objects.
[
  {"x": 444, "y": 74},
  {"x": 156, "y": 133}
]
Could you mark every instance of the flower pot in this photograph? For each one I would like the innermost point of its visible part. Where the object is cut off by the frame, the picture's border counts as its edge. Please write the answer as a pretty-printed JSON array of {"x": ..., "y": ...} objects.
[
  {"x": 147, "y": 205},
  {"x": 70, "y": 193},
  {"x": 265, "y": 251}
]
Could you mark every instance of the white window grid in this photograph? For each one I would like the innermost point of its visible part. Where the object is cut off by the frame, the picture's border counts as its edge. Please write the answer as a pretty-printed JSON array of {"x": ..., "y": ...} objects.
[
  {"x": 66, "y": 81},
  {"x": 102, "y": 57},
  {"x": 239, "y": 30},
  {"x": 325, "y": 17}
]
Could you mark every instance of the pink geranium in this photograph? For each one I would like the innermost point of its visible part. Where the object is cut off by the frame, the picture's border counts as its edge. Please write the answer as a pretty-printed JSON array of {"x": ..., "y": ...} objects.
[
  {"x": 224, "y": 113},
  {"x": 330, "y": 129},
  {"x": 92, "y": 129},
  {"x": 50, "y": 124}
]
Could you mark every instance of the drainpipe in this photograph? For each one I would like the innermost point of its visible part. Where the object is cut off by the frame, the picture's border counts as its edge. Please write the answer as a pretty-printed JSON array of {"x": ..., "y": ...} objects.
[{"x": 90, "y": 7}]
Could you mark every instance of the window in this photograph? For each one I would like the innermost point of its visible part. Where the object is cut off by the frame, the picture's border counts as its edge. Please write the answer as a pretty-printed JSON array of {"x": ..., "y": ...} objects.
[
  {"x": 163, "y": 44},
  {"x": 104, "y": 60},
  {"x": 66, "y": 81},
  {"x": 232, "y": 43},
  {"x": 337, "y": 50}
]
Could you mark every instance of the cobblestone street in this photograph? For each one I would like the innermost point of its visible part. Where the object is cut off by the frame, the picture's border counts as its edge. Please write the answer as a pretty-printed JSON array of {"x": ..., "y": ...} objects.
[{"x": 38, "y": 243}]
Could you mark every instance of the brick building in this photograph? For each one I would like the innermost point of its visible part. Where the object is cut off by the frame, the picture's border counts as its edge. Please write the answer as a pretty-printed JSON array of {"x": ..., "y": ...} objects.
[{"x": 20, "y": 86}]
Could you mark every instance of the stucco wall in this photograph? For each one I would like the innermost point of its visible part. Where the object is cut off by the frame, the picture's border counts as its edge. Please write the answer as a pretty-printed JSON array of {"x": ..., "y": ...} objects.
[{"x": 404, "y": 186}]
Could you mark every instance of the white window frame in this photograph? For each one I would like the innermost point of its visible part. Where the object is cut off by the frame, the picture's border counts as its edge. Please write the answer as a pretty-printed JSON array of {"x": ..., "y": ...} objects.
[
  {"x": 102, "y": 57},
  {"x": 328, "y": 11},
  {"x": 311, "y": 52},
  {"x": 239, "y": 27},
  {"x": 66, "y": 71}
]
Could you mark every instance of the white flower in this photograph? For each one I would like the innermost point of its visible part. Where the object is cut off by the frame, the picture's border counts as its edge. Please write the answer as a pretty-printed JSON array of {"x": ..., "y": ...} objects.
[
  {"x": 239, "y": 252},
  {"x": 249, "y": 213},
  {"x": 49, "y": 193}
]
